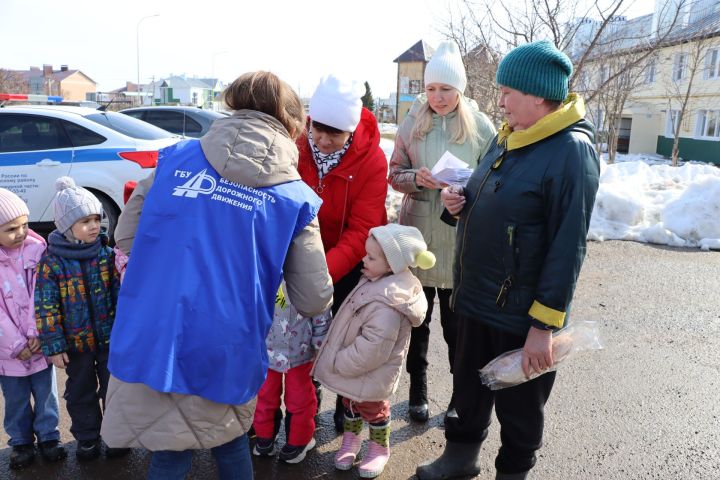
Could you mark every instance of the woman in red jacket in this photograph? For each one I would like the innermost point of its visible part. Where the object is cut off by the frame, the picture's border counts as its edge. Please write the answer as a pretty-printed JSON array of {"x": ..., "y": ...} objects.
[{"x": 341, "y": 160}]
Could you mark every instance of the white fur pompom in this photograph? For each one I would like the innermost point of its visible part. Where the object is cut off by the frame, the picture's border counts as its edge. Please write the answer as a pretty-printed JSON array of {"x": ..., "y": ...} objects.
[{"x": 64, "y": 182}]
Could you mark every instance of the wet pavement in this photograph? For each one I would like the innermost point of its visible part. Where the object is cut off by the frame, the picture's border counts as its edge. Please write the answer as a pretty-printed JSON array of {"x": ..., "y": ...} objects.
[{"x": 645, "y": 407}]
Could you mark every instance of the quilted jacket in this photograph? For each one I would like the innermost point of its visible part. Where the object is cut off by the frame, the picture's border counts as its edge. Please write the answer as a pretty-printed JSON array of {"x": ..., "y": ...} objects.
[
  {"x": 75, "y": 296},
  {"x": 363, "y": 352}
]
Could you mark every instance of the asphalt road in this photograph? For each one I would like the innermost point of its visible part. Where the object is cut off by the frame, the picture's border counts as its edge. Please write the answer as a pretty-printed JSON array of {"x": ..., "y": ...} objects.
[{"x": 645, "y": 407}]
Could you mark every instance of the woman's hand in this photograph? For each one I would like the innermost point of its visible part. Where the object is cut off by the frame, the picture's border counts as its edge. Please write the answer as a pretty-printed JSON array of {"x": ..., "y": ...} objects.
[
  {"x": 537, "y": 352},
  {"x": 423, "y": 178},
  {"x": 453, "y": 199},
  {"x": 60, "y": 360}
]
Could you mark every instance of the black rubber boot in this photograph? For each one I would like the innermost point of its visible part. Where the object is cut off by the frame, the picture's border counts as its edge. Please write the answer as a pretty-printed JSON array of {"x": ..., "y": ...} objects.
[
  {"x": 339, "y": 415},
  {"x": 511, "y": 476},
  {"x": 457, "y": 461},
  {"x": 418, "y": 403}
]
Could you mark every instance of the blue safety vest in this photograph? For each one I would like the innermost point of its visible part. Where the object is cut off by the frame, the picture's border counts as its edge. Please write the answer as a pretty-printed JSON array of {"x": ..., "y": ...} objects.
[{"x": 197, "y": 300}]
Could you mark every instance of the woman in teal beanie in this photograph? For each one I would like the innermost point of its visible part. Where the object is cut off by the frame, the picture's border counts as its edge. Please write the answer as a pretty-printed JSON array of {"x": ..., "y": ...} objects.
[{"x": 522, "y": 224}]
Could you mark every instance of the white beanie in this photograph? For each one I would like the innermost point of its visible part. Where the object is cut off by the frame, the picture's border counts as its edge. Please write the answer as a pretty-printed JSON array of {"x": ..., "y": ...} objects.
[
  {"x": 11, "y": 206},
  {"x": 403, "y": 247},
  {"x": 71, "y": 203},
  {"x": 336, "y": 103},
  {"x": 446, "y": 66}
]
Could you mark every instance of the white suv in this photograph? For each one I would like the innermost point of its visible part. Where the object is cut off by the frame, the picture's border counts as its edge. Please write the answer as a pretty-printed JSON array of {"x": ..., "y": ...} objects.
[{"x": 100, "y": 150}]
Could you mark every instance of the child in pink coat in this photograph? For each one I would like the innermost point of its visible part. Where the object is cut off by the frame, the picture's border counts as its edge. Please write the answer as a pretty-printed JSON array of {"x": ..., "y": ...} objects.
[{"x": 24, "y": 370}]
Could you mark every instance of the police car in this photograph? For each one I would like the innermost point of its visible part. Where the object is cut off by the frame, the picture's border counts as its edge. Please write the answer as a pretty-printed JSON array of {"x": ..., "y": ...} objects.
[{"x": 100, "y": 150}]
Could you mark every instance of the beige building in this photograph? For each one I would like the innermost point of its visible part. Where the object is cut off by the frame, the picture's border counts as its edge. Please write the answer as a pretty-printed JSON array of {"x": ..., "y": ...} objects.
[
  {"x": 72, "y": 85},
  {"x": 684, "y": 70},
  {"x": 411, "y": 71}
]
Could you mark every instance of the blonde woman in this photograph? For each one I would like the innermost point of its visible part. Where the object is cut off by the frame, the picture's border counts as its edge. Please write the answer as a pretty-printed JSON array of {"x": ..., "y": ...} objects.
[{"x": 440, "y": 120}]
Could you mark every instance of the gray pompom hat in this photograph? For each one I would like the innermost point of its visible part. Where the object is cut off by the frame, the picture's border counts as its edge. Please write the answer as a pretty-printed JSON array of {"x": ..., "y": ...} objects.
[{"x": 71, "y": 203}]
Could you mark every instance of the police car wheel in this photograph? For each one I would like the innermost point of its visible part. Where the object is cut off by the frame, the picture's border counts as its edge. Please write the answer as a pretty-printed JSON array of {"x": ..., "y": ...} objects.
[{"x": 111, "y": 213}]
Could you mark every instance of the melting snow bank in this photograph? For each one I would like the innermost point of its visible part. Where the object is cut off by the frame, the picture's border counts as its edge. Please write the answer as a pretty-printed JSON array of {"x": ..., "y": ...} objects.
[
  {"x": 643, "y": 199},
  {"x": 658, "y": 203}
]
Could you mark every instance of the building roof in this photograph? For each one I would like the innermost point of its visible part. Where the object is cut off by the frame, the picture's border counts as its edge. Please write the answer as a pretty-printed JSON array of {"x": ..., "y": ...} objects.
[
  {"x": 420, "y": 52},
  {"x": 57, "y": 75}
]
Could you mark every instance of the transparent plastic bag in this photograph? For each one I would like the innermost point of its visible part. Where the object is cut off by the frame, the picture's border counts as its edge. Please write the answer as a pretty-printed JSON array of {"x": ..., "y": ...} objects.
[{"x": 506, "y": 370}]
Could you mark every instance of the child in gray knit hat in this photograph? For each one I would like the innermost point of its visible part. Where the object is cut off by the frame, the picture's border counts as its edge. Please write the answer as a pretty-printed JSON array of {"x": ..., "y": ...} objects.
[
  {"x": 361, "y": 358},
  {"x": 75, "y": 297}
]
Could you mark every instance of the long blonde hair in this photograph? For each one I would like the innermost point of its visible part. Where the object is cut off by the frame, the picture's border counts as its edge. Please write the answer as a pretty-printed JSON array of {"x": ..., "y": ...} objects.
[{"x": 463, "y": 130}]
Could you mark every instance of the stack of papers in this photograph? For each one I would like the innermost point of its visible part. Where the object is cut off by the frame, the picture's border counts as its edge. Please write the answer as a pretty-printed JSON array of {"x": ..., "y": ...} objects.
[{"x": 451, "y": 170}]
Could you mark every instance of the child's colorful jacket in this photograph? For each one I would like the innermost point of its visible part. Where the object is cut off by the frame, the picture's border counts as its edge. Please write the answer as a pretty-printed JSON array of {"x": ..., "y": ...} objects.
[
  {"x": 294, "y": 339},
  {"x": 75, "y": 296},
  {"x": 17, "y": 316}
]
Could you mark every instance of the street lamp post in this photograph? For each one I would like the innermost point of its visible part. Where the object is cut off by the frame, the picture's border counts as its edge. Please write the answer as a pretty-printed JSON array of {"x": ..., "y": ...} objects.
[{"x": 137, "y": 44}]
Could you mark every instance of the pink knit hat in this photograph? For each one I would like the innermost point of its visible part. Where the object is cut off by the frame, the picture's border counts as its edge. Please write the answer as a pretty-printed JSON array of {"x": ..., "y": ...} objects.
[{"x": 11, "y": 206}]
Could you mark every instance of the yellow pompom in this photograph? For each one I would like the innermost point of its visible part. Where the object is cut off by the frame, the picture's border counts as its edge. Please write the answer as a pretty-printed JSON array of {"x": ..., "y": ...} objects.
[{"x": 425, "y": 260}]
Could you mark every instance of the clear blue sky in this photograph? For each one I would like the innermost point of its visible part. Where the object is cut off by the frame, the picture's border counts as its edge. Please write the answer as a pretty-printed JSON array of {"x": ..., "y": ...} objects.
[{"x": 298, "y": 40}]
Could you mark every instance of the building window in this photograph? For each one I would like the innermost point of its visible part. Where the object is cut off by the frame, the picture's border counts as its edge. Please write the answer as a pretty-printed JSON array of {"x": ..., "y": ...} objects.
[
  {"x": 712, "y": 63},
  {"x": 671, "y": 123},
  {"x": 708, "y": 124},
  {"x": 651, "y": 71},
  {"x": 680, "y": 66},
  {"x": 415, "y": 87}
]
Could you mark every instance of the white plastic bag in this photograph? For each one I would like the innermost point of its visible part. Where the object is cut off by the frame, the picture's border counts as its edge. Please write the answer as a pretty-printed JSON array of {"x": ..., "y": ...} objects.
[{"x": 506, "y": 370}]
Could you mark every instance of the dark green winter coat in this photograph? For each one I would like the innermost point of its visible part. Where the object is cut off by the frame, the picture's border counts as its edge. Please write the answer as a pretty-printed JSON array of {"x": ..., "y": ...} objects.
[{"x": 521, "y": 236}]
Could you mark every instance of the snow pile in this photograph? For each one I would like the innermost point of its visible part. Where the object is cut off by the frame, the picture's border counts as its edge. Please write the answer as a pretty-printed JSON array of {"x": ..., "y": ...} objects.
[
  {"x": 393, "y": 199},
  {"x": 389, "y": 128},
  {"x": 644, "y": 199}
]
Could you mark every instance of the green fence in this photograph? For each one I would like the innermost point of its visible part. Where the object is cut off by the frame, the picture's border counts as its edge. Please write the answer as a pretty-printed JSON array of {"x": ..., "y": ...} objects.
[{"x": 691, "y": 149}]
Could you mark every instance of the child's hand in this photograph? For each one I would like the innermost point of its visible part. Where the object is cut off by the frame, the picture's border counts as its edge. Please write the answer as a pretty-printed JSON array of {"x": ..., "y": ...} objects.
[
  {"x": 34, "y": 345},
  {"x": 25, "y": 354},
  {"x": 60, "y": 360}
]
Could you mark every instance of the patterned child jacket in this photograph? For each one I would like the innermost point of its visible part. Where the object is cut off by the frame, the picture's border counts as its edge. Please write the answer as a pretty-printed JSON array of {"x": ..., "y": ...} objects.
[
  {"x": 75, "y": 296},
  {"x": 293, "y": 338}
]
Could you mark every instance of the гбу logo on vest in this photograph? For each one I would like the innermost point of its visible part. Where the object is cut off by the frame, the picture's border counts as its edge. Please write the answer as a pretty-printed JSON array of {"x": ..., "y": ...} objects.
[{"x": 220, "y": 190}]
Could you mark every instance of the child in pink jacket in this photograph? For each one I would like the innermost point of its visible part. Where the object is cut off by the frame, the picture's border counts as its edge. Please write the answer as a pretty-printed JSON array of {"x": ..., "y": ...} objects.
[
  {"x": 361, "y": 358},
  {"x": 24, "y": 370}
]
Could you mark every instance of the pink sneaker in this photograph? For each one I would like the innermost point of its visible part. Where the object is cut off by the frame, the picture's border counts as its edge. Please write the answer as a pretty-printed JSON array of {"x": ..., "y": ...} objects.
[
  {"x": 345, "y": 457},
  {"x": 375, "y": 460}
]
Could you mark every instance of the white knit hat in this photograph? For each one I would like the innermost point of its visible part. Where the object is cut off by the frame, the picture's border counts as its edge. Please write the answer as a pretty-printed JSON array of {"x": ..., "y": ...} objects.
[
  {"x": 403, "y": 247},
  {"x": 336, "y": 103},
  {"x": 11, "y": 206},
  {"x": 446, "y": 66},
  {"x": 71, "y": 203}
]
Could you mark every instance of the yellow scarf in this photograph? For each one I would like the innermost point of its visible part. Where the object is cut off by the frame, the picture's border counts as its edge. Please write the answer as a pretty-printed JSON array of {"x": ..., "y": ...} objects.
[{"x": 572, "y": 110}]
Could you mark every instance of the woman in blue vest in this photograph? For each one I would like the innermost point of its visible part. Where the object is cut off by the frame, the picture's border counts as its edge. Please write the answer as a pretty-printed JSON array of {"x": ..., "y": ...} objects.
[{"x": 225, "y": 218}]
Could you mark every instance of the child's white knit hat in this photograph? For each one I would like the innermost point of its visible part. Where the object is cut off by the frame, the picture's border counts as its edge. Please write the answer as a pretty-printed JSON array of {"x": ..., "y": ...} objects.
[
  {"x": 446, "y": 66},
  {"x": 71, "y": 203},
  {"x": 403, "y": 247},
  {"x": 336, "y": 103}
]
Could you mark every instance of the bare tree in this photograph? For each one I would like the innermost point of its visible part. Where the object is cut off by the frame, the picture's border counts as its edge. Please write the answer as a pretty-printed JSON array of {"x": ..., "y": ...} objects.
[
  {"x": 12, "y": 82},
  {"x": 679, "y": 80},
  {"x": 587, "y": 29}
]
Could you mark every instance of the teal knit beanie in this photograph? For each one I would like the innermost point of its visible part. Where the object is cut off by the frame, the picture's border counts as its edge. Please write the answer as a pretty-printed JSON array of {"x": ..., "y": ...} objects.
[{"x": 537, "y": 68}]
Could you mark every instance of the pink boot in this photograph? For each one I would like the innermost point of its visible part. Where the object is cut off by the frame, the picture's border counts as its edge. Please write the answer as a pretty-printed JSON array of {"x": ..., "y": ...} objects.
[
  {"x": 375, "y": 460},
  {"x": 345, "y": 457}
]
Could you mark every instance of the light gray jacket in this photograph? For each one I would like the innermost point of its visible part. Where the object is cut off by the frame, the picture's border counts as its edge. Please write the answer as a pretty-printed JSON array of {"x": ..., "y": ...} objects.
[{"x": 422, "y": 208}]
